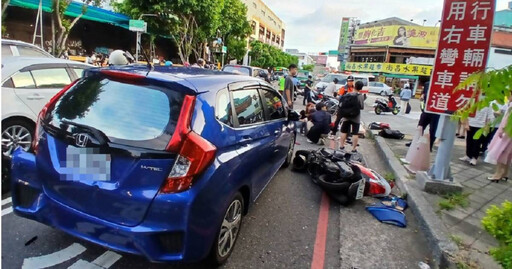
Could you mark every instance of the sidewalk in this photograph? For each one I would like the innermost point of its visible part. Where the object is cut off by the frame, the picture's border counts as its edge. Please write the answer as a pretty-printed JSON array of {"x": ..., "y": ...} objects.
[{"x": 464, "y": 224}]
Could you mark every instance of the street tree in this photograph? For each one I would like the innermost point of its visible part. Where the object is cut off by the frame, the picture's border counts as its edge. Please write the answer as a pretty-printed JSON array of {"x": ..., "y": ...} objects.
[
  {"x": 495, "y": 86},
  {"x": 308, "y": 67},
  {"x": 264, "y": 55},
  {"x": 234, "y": 28}
]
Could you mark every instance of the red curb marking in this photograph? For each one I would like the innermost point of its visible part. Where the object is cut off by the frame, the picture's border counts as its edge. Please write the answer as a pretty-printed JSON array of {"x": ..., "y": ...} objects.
[{"x": 321, "y": 234}]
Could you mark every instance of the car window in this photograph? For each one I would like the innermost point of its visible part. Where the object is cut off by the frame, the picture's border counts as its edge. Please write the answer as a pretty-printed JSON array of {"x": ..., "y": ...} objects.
[
  {"x": 372, "y": 84},
  {"x": 223, "y": 108},
  {"x": 79, "y": 72},
  {"x": 23, "y": 80},
  {"x": 6, "y": 50},
  {"x": 8, "y": 84},
  {"x": 51, "y": 78},
  {"x": 248, "y": 107},
  {"x": 274, "y": 105},
  {"x": 26, "y": 51},
  {"x": 328, "y": 78},
  {"x": 129, "y": 114},
  {"x": 237, "y": 70}
]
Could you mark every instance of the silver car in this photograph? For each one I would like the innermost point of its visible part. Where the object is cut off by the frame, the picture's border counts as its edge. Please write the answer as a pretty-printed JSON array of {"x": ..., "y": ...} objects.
[
  {"x": 20, "y": 48},
  {"x": 379, "y": 88},
  {"x": 28, "y": 83}
]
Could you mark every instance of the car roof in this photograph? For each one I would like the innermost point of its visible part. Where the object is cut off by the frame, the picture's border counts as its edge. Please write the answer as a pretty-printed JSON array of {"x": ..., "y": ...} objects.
[
  {"x": 23, "y": 44},
  {"x": 239, "y": 65},
  {"x": 196, "y": 79},
  {"x": 11, "y": 65}
]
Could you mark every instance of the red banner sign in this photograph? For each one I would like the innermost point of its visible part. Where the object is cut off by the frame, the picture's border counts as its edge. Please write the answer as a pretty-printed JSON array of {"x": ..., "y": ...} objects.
[{"x": 464, "y": 40}]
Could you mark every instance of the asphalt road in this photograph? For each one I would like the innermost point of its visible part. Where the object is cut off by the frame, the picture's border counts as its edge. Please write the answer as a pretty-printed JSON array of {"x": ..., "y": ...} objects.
[{"x": 279, "y": 231}]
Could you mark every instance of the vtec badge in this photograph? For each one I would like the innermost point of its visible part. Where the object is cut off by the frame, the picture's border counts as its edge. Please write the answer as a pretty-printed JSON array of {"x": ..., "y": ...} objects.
[{"x": 154, "y": 169}]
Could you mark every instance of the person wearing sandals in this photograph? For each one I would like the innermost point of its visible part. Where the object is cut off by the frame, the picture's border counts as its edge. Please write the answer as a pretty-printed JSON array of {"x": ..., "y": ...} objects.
[
  {"x": 500, "y": 150},
  {"x": 472, "y": 125}
]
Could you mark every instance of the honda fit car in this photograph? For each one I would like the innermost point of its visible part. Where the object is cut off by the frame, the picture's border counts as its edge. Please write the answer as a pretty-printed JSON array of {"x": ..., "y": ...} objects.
[{"x": 160, "y": 163}]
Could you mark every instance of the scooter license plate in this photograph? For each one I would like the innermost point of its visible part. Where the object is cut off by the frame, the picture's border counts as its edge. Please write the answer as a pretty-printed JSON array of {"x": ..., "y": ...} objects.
[{"x": 360, "y": 189}]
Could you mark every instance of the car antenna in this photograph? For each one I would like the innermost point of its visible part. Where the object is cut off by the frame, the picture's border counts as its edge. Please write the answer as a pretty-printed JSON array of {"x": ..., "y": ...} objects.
[{"x": 150, "y": 67}]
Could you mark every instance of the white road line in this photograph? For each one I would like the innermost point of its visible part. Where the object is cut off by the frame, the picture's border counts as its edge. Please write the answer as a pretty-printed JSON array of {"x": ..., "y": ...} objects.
[
  {"x": 54, "y": 258},
  {"x": 81, "y": 264},
  {"x": 6, "y": 201},
  {"x": 7, "y": 211},
  {"x": 107, "y": 259}
]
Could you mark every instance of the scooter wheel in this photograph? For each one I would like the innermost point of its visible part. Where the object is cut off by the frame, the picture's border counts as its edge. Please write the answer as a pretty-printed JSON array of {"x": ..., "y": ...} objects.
[
  {"x": 395, "y": 111},
  {"x": 378, "y": 110}
]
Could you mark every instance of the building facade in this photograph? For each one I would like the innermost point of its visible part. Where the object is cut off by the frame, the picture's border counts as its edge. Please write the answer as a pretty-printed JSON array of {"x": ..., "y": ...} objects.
[{"x": 267, "y": 27}]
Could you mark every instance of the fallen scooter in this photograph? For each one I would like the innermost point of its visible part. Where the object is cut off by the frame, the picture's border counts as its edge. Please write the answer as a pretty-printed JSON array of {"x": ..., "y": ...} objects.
[{"x": 383, "y": 105}]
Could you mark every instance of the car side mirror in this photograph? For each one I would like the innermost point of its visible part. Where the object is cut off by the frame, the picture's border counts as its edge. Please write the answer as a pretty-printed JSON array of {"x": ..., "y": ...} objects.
[{"x": 293, "y": 115}]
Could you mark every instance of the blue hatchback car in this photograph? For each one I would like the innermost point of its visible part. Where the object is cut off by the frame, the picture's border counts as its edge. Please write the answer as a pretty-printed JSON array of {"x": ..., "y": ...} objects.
[{"x": 162, "y": 164}]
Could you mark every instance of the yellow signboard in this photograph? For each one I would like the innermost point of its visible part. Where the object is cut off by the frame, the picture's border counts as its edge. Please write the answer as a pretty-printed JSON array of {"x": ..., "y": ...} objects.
[
  {"x": 398, "y": 35},
  {"x": 392, "y": 68}
]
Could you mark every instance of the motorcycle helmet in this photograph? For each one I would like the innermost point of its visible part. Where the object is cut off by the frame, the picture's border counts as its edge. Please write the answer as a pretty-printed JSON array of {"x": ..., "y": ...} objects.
[
  {"x": 119, "y": 57},
  {"x": 350, "y": 78}
]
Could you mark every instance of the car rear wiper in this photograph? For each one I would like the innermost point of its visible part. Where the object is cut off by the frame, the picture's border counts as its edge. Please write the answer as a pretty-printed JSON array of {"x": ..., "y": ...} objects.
[{"x": 99, "y": 135}]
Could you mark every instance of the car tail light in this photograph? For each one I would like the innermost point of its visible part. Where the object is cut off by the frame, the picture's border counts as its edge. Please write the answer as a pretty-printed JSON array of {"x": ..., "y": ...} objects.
[
  {"x": 42, "y": 114},
  {"x": 194, "y": 152}
]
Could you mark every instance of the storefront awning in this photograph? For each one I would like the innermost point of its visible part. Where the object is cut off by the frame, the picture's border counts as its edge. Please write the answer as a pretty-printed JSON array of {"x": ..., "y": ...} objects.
[{"x": 75, "y": 9}]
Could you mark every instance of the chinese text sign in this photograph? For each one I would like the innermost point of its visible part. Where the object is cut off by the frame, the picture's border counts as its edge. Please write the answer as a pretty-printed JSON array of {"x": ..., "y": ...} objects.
[{"x": 463, "y": 48}]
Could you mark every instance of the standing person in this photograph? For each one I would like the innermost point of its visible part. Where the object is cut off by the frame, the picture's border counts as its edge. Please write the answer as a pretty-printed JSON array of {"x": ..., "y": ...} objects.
[
  {"x": 348, "y": 88},
  {"x": 473, "y": 146},
  {"x": 199, "y": 63},
  {"x": 289, "y": 85},
  {"x": 356, "y": 100},
  {"x": 331, "y": 88},
  {"x": 405, "y": 96},
  {"x": 500, "y": 150},
  {"x": 307, "y": 90},
  {"x": 427, "y": 119},
  {"x": 321, "y": 120},
  {"x": 502, "y": 109}
]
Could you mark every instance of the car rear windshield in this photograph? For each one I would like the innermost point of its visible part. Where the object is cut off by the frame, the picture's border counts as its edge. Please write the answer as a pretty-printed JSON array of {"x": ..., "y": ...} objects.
[
  {"x": 238, "y": 69},
  {"x": 330, "y": 78},
  {"x": 139, "y": 115}
]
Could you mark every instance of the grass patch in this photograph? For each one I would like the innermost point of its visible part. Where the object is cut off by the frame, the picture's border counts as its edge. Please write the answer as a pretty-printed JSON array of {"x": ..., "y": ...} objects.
[
  {"x": 452, "y": 200},
  {"x": 390, "y": 177},
  {"x": 457, "y": 240}
]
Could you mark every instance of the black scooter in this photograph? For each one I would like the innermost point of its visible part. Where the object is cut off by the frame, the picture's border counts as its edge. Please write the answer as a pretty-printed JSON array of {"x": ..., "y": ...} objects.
[{"x": 383, "y": 105}]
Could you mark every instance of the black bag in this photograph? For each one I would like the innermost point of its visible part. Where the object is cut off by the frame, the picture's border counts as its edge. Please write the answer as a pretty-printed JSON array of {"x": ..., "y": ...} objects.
[
  {"x": 349, "y": 105},
  {"x": 388, "y": 133},
  {"x": 408, "y": 109}
]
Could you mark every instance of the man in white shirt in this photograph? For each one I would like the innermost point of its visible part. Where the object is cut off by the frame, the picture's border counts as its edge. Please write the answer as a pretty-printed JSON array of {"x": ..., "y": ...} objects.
[{"x": 331, "y": 88}]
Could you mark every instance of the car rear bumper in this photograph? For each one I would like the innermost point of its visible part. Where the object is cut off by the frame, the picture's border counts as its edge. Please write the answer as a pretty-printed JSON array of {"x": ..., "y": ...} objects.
[{"x": 165, "y": 235}]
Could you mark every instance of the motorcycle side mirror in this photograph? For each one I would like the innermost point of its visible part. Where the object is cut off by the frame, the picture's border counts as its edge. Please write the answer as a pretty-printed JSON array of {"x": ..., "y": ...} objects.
[
  {"x": 293, "y": 115},
  {"x": 262, "y": 74}
]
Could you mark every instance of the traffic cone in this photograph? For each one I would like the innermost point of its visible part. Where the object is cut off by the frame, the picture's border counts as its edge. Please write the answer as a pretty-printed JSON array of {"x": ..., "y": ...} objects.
[
  {"x": 409, "y": 156},
  {"x": 420, "y": 155}
]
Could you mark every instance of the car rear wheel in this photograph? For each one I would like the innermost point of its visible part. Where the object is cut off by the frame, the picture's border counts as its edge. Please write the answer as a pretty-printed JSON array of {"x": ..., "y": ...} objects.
[
  {"x": 16, "y": 133},
  {"x": 289, "y": 154},
  {"x": 228, "y": 231},
  {"x": 383, "y": 93}
]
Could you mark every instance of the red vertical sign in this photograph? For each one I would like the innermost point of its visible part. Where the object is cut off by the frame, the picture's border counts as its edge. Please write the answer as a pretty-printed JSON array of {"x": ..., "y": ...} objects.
[{"x": 464, "y": 41}]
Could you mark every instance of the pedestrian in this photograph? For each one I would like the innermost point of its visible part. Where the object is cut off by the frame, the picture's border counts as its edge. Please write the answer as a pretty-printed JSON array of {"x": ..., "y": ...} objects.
[
  {"x": 348, "y": 88},
  {"x": 331, "y": 88},
  {"x": 289, "y": 85},
  {"x": 321, "y": 120},
  {"x": 199, "y": 63},
  {"x": 353, "y": 122},
  {"x": 427, "y": 119},
  {"x": 307, "y": 90},
  {"x": 472, "y": 125},
  {"x": 500, "y": 150},
  {"x": 502, "y": 109},
  {"x": 405, "y": 96}
]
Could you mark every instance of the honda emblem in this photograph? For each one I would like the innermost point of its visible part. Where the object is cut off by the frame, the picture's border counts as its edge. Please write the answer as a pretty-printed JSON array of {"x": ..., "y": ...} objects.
[{"x": 81, "y": 140}]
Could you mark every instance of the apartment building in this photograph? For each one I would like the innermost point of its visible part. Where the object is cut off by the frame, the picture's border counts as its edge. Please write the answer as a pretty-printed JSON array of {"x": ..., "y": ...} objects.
[{"x": 267, "y": 27}]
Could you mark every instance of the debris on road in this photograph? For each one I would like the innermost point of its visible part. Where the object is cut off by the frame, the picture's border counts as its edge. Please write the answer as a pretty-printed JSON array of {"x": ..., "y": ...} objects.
[{"x": 32, "y": 240}]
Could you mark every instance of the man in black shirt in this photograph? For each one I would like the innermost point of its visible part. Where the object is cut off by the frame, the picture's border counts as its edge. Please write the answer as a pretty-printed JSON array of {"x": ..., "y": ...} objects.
[
  {"x": 289, "y": 85},
  {"x": 321, "y": 123},
  {"x": 307, "y": 90}
]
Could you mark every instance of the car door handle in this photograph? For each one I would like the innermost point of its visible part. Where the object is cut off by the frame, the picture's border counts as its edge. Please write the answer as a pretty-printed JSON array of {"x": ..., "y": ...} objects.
[
  {"x": 35, "y": 97},
  {"x": 245, "y": 139}
]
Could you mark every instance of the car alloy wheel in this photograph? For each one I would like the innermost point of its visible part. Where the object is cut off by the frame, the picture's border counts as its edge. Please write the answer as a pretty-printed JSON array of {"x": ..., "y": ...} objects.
[
  {"x": 14, "y": 136},
  {"x": 229, "y": 228}
]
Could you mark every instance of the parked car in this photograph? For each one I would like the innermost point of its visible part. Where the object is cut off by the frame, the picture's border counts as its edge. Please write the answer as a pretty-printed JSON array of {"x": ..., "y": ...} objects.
[
  {"x": 181, "y": 154},
  {"x": 28, "y": 83},
  {"x": 379, "y": 88},
  {"x": 20, "y": 48},
  {"x": 366, "y": 79},
  {"x": 342, "y": 80},
  {"x": 243, "y": 70}
]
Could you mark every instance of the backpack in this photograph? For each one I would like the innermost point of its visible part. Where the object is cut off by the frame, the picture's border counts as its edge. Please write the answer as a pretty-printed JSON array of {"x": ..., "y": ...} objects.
[
  {"x": 388, "y": 133},
  {"x": 349, "y": 106}
]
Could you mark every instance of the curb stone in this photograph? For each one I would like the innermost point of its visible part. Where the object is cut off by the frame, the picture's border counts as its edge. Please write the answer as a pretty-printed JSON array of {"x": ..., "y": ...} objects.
[{"x": 443, "y": 249}]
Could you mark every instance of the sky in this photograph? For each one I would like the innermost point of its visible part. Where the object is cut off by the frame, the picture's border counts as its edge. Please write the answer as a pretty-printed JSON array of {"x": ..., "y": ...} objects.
[{"x": 314, "y": 26}]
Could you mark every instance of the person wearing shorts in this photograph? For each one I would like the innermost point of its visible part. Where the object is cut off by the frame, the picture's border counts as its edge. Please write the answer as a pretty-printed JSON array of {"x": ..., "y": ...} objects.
[{"x": 351, "y": 125}]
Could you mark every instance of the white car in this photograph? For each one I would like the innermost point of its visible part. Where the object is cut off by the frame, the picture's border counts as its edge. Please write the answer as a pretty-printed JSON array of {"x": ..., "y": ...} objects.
[
  {"x": 28, "y": 83},
  {"x": 379, "y": 88},
  {"x": 342, "y": 80},
  {"x": 20, "y": 48}
]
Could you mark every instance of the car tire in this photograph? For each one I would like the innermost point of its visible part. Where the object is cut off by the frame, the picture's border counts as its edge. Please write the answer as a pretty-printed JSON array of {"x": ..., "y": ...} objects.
[
  {"x": 233, "y": 215},
  {"x": 289, "y": 154},
  {"x": 21, "y": 127},
  {"x": 382, "y": 93}
]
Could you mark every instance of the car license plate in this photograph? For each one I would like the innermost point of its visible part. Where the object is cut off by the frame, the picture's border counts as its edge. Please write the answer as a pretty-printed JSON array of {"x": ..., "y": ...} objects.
[
  {"x": 86, "y": 164},
  {"x": 360, "y": 189}
]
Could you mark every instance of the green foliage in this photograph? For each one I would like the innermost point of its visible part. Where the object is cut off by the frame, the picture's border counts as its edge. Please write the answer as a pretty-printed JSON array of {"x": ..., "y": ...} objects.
[
  {"x": 452, "y": 200},
  {"x": 389, "y": 177},
  {"x": 495, "y": 85},
  {"x": 498, "y": 222},
  {"x": 264, "y": 55},
  {"x": 234, "y": 28},
  {"x": 308, "y": 67},
  {"x": 457, "y": 240}
]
